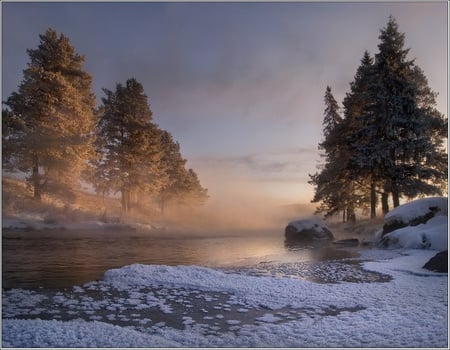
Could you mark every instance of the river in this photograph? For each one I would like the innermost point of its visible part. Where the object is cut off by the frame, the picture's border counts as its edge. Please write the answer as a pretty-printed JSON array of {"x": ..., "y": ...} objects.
[{"x": 64, "y": 258}]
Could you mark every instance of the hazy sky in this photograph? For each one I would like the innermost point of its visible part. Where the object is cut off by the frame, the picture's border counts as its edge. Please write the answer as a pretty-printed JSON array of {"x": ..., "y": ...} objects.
[{"x": 239, "y": 85}]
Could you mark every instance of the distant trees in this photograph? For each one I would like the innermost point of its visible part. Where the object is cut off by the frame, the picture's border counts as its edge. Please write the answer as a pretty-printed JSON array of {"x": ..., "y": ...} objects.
[
  {"x": 127, "y": 145},
  {"x": 47, "y": 130},
  {"x": 52, "y": 131},
  {"x": 181, "y": 184},
  {"x": 135, "y": 157},
  {"x": 389, "y": 141}
]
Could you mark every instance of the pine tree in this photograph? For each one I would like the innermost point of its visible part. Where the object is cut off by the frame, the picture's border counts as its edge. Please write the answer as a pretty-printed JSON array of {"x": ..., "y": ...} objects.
[
  {"x": 127, "y": 145},
  {"x": 409, "y": 129},
  {"x": 182, "y": 184},
  {"x": 358, "y": 132},
  {"x": 332, "y": 188},
  {"x": 174, "y": 168},
  {"x": 51, "y": 117}
]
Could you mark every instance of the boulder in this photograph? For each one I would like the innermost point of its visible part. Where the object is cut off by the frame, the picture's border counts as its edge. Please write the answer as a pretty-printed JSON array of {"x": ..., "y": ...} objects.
[
  {"x": 415, "y": 213},
  {"x": 438, "y": 263},
  {"x": 308, "y": 230},
  {"x": 419, "y": 224}
]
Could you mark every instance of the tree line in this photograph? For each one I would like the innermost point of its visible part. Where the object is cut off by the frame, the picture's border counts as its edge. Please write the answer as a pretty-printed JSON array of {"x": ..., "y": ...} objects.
[
  {"x": 388, "y": 140},
  {"x": 53, "y": 131}
]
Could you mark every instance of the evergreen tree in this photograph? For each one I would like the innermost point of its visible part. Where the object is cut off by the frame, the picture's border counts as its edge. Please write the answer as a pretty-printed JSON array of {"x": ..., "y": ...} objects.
[
  {"x": 358, "y": 132},
  {"x": 128, "y": 147},
  {"x": 409, "y": 130},
  {"x": 194, "y": 193},
  {"x": 182, "y": 185},
  {"x": 332, "y": 187},
  {"x": 50, "y": 118},
  {"x": 174, "y": 168}
]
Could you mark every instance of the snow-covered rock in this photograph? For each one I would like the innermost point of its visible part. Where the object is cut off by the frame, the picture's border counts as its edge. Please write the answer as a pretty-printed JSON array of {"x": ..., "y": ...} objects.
[
  {"x": 308, "y": 229},
  {"x": 415, "y": 213},
  {"x": 422, "y": 224}
]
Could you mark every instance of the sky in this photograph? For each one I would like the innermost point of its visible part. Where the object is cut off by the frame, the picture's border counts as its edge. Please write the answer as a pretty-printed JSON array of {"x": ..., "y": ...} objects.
[{"x": 239, "y": 85}]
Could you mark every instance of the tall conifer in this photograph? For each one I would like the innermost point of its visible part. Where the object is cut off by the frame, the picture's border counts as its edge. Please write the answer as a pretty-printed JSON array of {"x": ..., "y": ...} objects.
[
  {"x": 128, "y": 144},
  {"x": 51, "y": 117}
]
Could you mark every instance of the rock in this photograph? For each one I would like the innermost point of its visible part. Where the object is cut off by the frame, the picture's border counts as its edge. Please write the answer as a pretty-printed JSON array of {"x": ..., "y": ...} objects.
[
  {"x": 307, "y": 230},
  {"x": 419, "y": 224},
  {"x": 350, "y": 242},
  {"x": 438, "y": 263},
  {"x": 415, "y": 213}
]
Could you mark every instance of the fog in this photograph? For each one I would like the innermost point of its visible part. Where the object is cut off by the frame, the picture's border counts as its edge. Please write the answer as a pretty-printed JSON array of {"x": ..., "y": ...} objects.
[{"x": 240, "y": 213}]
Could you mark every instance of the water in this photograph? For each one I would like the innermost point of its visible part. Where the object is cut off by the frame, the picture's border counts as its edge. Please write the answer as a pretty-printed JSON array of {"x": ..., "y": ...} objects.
[{"x": 61, "y": 259}]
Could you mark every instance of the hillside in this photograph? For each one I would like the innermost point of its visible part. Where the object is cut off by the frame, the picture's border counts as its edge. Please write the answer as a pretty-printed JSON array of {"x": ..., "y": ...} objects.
[{"x": 18, "y": 202}]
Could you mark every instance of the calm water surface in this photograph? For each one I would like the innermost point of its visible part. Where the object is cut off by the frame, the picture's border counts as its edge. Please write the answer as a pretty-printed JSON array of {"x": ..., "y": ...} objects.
[{"x": 59, "y": 259}]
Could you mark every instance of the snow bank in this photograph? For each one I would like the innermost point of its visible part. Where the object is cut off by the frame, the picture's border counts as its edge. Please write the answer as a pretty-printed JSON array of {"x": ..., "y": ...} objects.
[
  {"x": 431, "y": 234},
  {"x": 254, "y": 291},
  {"x": 409, "y": 311},
  {"x": 418, "y": 208}
]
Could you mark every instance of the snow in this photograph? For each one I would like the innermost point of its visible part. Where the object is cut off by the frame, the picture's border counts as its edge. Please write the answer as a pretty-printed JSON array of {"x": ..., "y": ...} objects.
[
  {"x": 218, "y": 308},
  {"x": 36, "y": 221},
  {"x": 408, "y": 311},
  {"x": 433, "y": 234},
  {"x": 420, "y": 207},
  {"x": 308, "y": 224}
]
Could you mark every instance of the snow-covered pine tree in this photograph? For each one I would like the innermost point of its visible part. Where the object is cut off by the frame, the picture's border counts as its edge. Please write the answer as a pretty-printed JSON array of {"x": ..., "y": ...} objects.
[
  {"x": 409, "y": 129},
  {"x": 128, "y": 145},
  {"x": 332, "y": 188},
  {"x": 51, "y": 117},
  {"x": 359, "y": 134}
]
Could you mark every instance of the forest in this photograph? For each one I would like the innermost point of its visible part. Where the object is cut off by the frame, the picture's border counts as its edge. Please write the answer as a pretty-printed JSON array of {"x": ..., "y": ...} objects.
[
  {"x": 387, "y": 142},
  {"x": 53, "y": 131}
]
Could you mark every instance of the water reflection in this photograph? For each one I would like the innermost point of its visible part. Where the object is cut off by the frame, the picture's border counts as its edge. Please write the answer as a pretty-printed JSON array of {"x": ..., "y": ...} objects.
[{"x": 59, "y": 259}]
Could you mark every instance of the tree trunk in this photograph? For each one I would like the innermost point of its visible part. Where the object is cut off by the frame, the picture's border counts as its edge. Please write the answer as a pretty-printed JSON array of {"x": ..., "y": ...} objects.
[
  {"x": 36, "y": 183},
  {"x": 343, "y": 215},
  {"x": 125, "y": 200},
  {"x": 373, "y": 201},
  {"x": 351, "y": 216},
  {"x": 395, "y": 196},
  {"x": 162, "y": 205},
  {"x": 384, "y": 203}
]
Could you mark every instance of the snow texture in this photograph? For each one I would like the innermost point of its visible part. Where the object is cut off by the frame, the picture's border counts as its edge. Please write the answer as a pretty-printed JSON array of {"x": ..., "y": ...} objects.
[
  {"x": 430, "y": 235},
  {"x": 408, "y": 310},
  {"x": 407, "y": 212},
  {"x": 308, "y": 224}
]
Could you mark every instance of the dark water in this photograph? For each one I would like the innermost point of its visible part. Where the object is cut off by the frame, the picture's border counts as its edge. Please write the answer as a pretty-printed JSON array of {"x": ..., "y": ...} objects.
[{"x": 60, "y": 259}]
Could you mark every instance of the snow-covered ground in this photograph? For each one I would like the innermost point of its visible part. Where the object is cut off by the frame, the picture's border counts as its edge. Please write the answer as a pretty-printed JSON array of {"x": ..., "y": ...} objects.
[
  {"x": 192, "y": 306},
  {"x": 218, "y": 309}
]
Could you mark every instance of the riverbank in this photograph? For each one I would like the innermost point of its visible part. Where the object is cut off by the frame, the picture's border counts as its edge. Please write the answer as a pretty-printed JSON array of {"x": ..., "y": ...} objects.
[{"x": 190, "y": 306}]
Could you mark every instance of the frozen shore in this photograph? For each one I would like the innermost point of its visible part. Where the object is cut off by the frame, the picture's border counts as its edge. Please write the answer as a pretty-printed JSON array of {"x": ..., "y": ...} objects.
[
  {"x": 211, "y": 308},
  {"x": 384, "y": 298}
]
